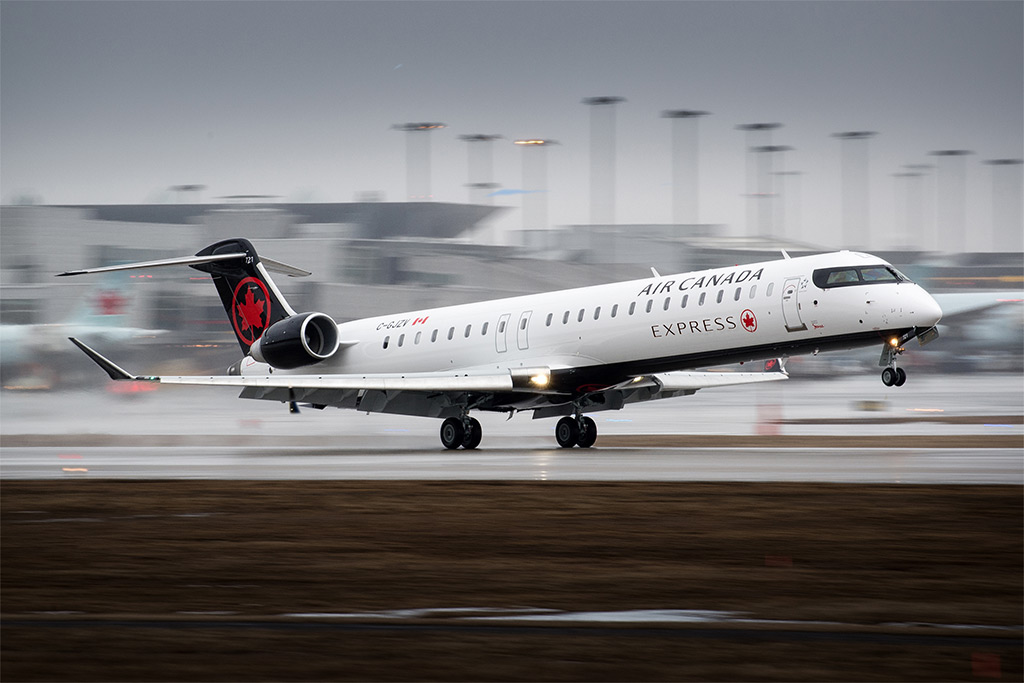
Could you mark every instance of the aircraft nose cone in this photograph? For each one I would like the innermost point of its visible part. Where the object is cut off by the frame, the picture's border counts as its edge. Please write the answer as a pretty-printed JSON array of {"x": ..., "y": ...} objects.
[{"x": 927, "y": 313}]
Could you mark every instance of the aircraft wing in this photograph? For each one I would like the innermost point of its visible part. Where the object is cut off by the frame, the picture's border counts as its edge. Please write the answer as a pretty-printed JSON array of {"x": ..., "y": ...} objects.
[
  {"x": 432, "y": 393},
  {"x": 518, "y": 379}
]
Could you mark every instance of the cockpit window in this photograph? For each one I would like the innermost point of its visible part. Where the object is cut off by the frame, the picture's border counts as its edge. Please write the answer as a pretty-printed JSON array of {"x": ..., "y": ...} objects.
[
  {"x": 878, "y": 274},
  {"x": 839, "y": 277},
  {"x": 825, "y": 278}
]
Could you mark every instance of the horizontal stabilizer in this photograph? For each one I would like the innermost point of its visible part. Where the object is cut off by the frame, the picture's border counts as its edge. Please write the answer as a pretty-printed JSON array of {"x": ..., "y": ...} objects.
[{"x": 275, "y": 266}]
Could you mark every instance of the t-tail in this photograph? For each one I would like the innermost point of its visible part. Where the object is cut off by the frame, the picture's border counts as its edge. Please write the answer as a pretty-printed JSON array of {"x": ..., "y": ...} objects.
[
  {"x": 265, "y": 325},
  {"x": 251, "y": 299}
]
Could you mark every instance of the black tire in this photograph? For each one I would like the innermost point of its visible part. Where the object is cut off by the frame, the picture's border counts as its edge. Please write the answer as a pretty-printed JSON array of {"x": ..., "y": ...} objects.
[
  {"x": 452, "y": 433},
  {"x": 901, "y": 377},
  {"x": 888, "y": 377},
  {"x": 588, "y": 435},
  {"x": 474, "y": 432},
  {"x": 567, "y": 432}
]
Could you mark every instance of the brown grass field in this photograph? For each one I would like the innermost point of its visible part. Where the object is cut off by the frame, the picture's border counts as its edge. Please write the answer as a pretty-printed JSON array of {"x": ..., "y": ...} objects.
[{"x": 188, "y": 580}]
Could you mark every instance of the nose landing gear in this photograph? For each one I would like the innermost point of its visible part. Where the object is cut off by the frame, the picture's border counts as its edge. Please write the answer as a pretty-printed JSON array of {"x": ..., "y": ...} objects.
[{"x": 892, "y": 375}]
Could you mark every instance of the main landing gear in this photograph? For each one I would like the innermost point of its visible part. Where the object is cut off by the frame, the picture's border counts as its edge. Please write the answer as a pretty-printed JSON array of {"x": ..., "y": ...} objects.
[
  {"x": 462, "y": 432},
  {"x": 578, "y": 430},
  {"x": 465, "y": 432}
]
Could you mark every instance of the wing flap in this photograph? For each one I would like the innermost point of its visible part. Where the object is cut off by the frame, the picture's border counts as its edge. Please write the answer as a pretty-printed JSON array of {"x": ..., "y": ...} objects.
[{"x": 691, "y": 381}]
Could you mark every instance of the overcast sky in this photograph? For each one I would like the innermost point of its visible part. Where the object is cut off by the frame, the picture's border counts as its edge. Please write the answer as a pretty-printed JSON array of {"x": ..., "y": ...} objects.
[{"x": 113, "y": 102}]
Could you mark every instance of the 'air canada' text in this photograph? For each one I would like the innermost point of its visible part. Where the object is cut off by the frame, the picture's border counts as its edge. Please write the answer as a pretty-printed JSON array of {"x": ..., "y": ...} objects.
[{"x": 701, "y": 282}]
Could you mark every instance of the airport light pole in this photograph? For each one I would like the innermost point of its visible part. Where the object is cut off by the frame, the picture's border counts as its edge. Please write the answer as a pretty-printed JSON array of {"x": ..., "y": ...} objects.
[
  {"x": 951, "y": 203},
  {"x": 788, "y": 188},
  {"x": 757, "y": 135},
  {"x": 685, "y": 165},
  {"x": 856, "y": 227},
  {"x": 1007, "y": 223},
  {"x": 765, "y": 191},
  {"x": 602, "y": 158},
  {"x": 417, "y": 158},
  {"x": 535, "y": 182},
  {"x": 480, "y": 167}
]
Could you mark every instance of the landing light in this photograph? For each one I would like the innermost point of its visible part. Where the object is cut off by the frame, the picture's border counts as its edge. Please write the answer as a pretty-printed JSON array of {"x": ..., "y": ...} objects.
[
  {"x": 540, "y": 379},
  {"x": 894, "y": 342}
]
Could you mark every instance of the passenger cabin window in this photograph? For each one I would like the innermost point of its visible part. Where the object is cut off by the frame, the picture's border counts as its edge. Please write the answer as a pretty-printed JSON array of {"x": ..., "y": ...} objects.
[
  {"x": 686, "y": 297},
  {"x": 522, "y": 323},
  {"x": 721, "y": 293},
  {"x": 737, "y": 295},
  {"x": 565, "y": 318},
  {"x": 501, "y": 327},
  {"x": 433, "y": 336},
  {"x": 615, "y": 310},
  {"x": 401, "y": 339},
  {"x": 668, "y": 301},
  {"x": 451, "y": 333},
  {"x": 650, "y": 305},
  {"x": 753, "y": 291},
  {"x": 548, "y": 322},
  {"x": 700, "y": 301},
  {"x": 597, "y": 313},
  {"x": 419, "y": 335},
  {"x": 826, "y": 278},
  {"x": 483, "y": 331},
  {"x": 632, "y": 307},
  {"x": 579, "y": 318},
  {"x": 469, "y": 328},
  {"x": 387, "y": 340},
  {"x": 771, "y": 288}
]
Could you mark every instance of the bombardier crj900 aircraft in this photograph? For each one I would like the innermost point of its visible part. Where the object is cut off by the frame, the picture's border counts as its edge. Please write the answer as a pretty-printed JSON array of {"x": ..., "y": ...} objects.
[{"x": 560, "y": 354}]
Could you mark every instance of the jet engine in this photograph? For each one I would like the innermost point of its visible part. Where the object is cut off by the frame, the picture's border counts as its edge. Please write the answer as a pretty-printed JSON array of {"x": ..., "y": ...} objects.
[{"x": 302, "y": 339}]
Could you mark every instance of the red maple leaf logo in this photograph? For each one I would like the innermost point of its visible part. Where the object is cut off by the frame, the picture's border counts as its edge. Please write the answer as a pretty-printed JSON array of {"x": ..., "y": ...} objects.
[
  {"x": 251, "y": 312},
  {"x": 110, "y": 303},
  {"x": 748, "y": 320}
]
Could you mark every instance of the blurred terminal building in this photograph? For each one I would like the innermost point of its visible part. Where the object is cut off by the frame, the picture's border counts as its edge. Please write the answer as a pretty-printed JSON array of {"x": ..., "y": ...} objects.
[{"x": 372, "y": 258}]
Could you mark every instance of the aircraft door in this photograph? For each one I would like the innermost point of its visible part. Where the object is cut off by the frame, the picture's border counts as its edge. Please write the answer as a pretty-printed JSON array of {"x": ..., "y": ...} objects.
[
  {"x": 523, "y": 330},
  {"x": 500, "y": 332},
  {"x": 791, "y": 306}
]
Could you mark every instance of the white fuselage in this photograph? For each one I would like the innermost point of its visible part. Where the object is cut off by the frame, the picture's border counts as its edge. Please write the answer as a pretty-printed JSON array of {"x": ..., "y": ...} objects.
[{"x": 661, "y": 323}]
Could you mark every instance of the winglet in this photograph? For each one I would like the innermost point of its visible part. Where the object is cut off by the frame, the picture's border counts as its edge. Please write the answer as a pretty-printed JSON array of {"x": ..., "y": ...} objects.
[{"x": 115, "y": 371}]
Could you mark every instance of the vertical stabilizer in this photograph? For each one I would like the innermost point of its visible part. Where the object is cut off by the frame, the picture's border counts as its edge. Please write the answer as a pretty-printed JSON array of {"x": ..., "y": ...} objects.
[{"x": 251, "y": 299}]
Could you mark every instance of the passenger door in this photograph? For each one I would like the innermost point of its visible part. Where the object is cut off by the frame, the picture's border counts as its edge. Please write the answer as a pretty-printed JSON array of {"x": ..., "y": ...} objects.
[{"x": 791, "y": 305}]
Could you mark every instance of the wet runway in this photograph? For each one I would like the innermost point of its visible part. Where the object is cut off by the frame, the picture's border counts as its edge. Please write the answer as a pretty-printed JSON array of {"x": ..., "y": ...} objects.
[
  {"x": 190, "y": 433},
  {"x": 519, "y": 463}
]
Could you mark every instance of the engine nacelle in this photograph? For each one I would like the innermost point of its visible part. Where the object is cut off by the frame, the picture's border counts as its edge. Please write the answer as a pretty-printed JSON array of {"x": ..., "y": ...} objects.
[{"x": 302, "y": 339}]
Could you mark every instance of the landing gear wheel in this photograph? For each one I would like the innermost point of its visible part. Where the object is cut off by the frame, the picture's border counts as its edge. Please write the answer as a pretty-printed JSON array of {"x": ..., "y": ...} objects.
[
  {"x": 474, "y": 432},
  {"x": 588, "y": 433},
  {"x": 901, "y": 377},
  {"x": 567, "y": 432},
  {"x": 889, "y": 377},
  {"x": 452, "y": 433}
]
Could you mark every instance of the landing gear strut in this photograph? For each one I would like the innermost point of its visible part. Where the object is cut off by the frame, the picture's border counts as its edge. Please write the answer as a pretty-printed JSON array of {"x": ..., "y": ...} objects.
[
  {"x": 892, "y": 375},
  {"x": 464, "y": 432},
  {"x": 578, "y": 430}
]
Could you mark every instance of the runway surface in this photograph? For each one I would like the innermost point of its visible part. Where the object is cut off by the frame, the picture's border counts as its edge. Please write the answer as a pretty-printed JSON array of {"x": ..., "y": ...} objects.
[
  {"x": 898, "y": 465},
  {"x": 938, "y": 429}
]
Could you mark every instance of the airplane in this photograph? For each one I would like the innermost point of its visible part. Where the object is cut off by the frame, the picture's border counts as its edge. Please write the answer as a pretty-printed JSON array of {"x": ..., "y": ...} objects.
[
  {"x": 559, "y": 354},
  {"x": 101, "y": 315}
]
